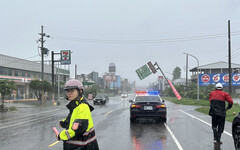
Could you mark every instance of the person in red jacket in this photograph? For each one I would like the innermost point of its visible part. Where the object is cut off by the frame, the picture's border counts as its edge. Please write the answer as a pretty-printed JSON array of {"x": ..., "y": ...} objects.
[{"x": 218, "y": 110}]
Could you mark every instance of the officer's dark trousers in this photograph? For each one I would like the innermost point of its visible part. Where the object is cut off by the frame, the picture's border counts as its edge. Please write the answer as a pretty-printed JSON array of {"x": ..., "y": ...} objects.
[{"x": 218, "y": 123}]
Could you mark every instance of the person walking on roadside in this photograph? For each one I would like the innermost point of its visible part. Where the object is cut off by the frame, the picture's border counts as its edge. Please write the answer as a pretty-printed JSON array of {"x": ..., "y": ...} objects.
[
  {"x": 218, "y": 110},
  {"x": 79, "y": 133}
]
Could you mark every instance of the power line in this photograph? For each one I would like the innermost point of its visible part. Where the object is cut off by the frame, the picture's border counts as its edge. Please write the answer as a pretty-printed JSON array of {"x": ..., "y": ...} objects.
[
  {"x": 127, "y": 34},
  {"x": 202, "y": 37}
]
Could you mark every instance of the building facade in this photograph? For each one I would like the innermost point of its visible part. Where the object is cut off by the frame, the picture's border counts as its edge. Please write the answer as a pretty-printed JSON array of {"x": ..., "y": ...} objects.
[{"x": 22, "y": 72}]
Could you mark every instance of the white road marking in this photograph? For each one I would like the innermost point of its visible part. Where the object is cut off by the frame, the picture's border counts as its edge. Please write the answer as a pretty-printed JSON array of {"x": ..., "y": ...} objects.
[
  {"x": 36, "y": 119},
  {"x": 202, "y": 121},
  {"x": 107, "y": 113},
  {"x": 174, "y": 138}
]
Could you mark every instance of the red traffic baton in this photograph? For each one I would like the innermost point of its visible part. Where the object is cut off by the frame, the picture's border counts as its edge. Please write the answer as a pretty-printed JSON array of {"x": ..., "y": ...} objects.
[{"x": 55, "y": 130}]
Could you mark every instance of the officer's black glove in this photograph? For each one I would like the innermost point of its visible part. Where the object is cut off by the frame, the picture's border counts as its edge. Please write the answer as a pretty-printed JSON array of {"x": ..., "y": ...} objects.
[{"x": 58, "y": 137}]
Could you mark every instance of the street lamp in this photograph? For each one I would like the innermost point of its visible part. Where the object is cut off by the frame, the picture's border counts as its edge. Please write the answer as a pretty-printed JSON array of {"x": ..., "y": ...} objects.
[{"x": 197, "y": 74}]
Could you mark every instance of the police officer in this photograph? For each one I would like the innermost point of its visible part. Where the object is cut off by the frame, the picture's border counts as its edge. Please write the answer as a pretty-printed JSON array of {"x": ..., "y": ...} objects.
[
  {"x": 218, "y": 110},
  {"x": 79, "y": 131}
]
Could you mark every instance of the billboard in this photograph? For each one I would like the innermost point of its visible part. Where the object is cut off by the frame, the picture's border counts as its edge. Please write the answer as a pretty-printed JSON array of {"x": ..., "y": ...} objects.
[
  {"x": 116, "y": 83},
  {"x": 207, "y": 79}
]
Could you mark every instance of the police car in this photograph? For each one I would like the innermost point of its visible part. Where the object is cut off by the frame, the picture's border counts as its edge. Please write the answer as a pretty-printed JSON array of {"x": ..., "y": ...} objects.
[{"x": 148, "y": 104}]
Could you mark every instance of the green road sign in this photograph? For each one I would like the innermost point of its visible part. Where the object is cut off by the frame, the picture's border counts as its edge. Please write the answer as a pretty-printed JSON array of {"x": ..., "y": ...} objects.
[{"x": 143, "y": 72}]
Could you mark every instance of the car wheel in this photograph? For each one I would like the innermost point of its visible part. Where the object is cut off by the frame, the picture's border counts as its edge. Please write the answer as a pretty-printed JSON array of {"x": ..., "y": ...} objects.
[
  {"x": 164, "y": 119},
  {"x": 236, "y": 137},
  {"x": 132, "y": 120},
  {"x": 161, "y": 120}
]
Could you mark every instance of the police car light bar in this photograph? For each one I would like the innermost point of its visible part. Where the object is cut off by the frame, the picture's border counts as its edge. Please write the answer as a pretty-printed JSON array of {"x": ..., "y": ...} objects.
[{"x": 147, "y": 92}]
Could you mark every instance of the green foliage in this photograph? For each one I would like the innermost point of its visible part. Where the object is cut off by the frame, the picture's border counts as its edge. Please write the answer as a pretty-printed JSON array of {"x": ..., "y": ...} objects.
[
  {"x": 36, "y": 85},
  {"x": 6, "y": 88},
  {"x": 191, "y": 91},
  {"x": 169, "y": 92},
  {"x": 12, "y": 108},
  {"x": 187, "y": 101},
  {"x": 94, "y": 89},
  {"x": 176, "y": 73}
]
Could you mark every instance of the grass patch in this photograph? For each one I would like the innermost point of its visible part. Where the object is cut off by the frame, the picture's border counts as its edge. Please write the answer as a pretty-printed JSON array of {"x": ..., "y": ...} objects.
[
  {"x": 185, "y": 101},
  {"x": 231, "y": 113},
  {"x": 12, "y": 108}
]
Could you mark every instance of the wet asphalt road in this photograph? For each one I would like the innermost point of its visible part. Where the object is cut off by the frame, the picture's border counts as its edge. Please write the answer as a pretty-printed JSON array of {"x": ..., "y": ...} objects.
[{"x": 30, "y": 128}]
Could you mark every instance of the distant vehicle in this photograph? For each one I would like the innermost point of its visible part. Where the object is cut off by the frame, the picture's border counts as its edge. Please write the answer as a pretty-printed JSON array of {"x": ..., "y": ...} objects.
[
  {"x": 124, "y": 95},
  {"x": 236, "y": 131},
  {"x": 100, "y": 99},
  {"x": 130, "y": 96},
  {"x": 148, "y": 105}
]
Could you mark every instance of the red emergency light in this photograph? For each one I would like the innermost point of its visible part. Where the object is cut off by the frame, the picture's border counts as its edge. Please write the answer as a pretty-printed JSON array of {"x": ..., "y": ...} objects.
[{"x": 140, "y": 92}]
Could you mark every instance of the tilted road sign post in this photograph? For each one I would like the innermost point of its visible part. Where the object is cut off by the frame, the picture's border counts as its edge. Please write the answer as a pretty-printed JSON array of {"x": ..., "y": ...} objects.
[{"x": 150, "y": 68}]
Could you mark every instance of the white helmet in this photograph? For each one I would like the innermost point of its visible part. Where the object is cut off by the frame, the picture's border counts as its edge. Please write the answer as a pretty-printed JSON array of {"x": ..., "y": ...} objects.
[{"x": 219, "y": 86}]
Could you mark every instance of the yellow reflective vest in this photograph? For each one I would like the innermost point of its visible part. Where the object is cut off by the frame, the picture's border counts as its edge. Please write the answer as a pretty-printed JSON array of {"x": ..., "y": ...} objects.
[{"x": 80, "y": 110}]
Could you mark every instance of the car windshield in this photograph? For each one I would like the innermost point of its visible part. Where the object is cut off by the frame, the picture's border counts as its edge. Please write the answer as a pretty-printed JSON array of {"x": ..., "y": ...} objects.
[
  {"x": 147, "y": 99},
  {"x": 100, "y": 96}
]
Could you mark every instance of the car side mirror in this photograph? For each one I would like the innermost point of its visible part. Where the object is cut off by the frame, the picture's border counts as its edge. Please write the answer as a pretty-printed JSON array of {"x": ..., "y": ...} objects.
[
  {"x": 131, "y": 101},
  {"x": 163, "y": 100}
]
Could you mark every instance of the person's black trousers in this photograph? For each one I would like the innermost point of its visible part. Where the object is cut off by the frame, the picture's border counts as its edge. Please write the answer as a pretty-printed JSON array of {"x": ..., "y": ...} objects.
[{"x": 218, "y": 123}]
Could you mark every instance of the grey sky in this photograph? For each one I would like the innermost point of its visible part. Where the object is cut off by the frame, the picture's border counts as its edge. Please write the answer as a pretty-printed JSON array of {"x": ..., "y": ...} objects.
[{"x": 127, "y": 32}]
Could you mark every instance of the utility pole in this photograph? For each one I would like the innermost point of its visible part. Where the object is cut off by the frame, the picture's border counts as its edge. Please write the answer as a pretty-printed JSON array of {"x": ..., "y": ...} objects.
[
  {"x": 75, "y": 71},
  {"x": 229, "y": 59},
  {"x": 42, "y": 55},
  {"x": 43, "y": 51},
  {"x": 186, "y": 74},
  {"x": 53, "y": 93}
]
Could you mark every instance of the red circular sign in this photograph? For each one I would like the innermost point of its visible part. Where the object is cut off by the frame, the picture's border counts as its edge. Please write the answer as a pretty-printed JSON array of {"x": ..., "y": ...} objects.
[
  {"x": 205, "y": 78},
  {"x": 236, "y": 78},
  {"x": 216, "y": 77},
  {"x": 226, "y": 78}
]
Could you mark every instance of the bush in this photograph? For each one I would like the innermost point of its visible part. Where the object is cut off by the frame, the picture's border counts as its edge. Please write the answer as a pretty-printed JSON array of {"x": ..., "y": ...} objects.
[{"x": 191, "y": 92}]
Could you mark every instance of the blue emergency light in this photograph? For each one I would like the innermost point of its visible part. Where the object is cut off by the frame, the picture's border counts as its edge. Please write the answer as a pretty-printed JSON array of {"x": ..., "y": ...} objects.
[{"x": 153, "y": 92}]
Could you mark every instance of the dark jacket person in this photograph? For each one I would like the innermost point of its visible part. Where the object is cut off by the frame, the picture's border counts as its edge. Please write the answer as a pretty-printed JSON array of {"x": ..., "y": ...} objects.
[{"x": 218, "y": 110}]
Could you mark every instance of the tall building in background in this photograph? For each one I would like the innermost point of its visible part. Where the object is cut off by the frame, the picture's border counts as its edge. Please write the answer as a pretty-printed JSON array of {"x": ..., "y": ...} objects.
[{"x": 112, "y": 68}]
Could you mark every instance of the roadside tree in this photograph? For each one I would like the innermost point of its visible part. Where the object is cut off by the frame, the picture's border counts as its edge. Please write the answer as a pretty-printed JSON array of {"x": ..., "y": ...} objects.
[
  {"x": 176, "y": 73},
  {"x": 6, "y": 88},
  {"x": 36, "y": 86}
]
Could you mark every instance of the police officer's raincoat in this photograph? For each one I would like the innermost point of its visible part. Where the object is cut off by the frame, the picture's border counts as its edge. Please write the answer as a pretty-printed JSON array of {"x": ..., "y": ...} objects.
[{"x": 79, "y": 131}]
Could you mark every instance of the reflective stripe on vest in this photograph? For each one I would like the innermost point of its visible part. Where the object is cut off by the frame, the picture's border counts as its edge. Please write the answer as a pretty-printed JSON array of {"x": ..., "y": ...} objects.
[
  {"x": 87, "y": 132},
  {"x": 68, "y": 136},
  {"x": 75, "y": 142}
]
